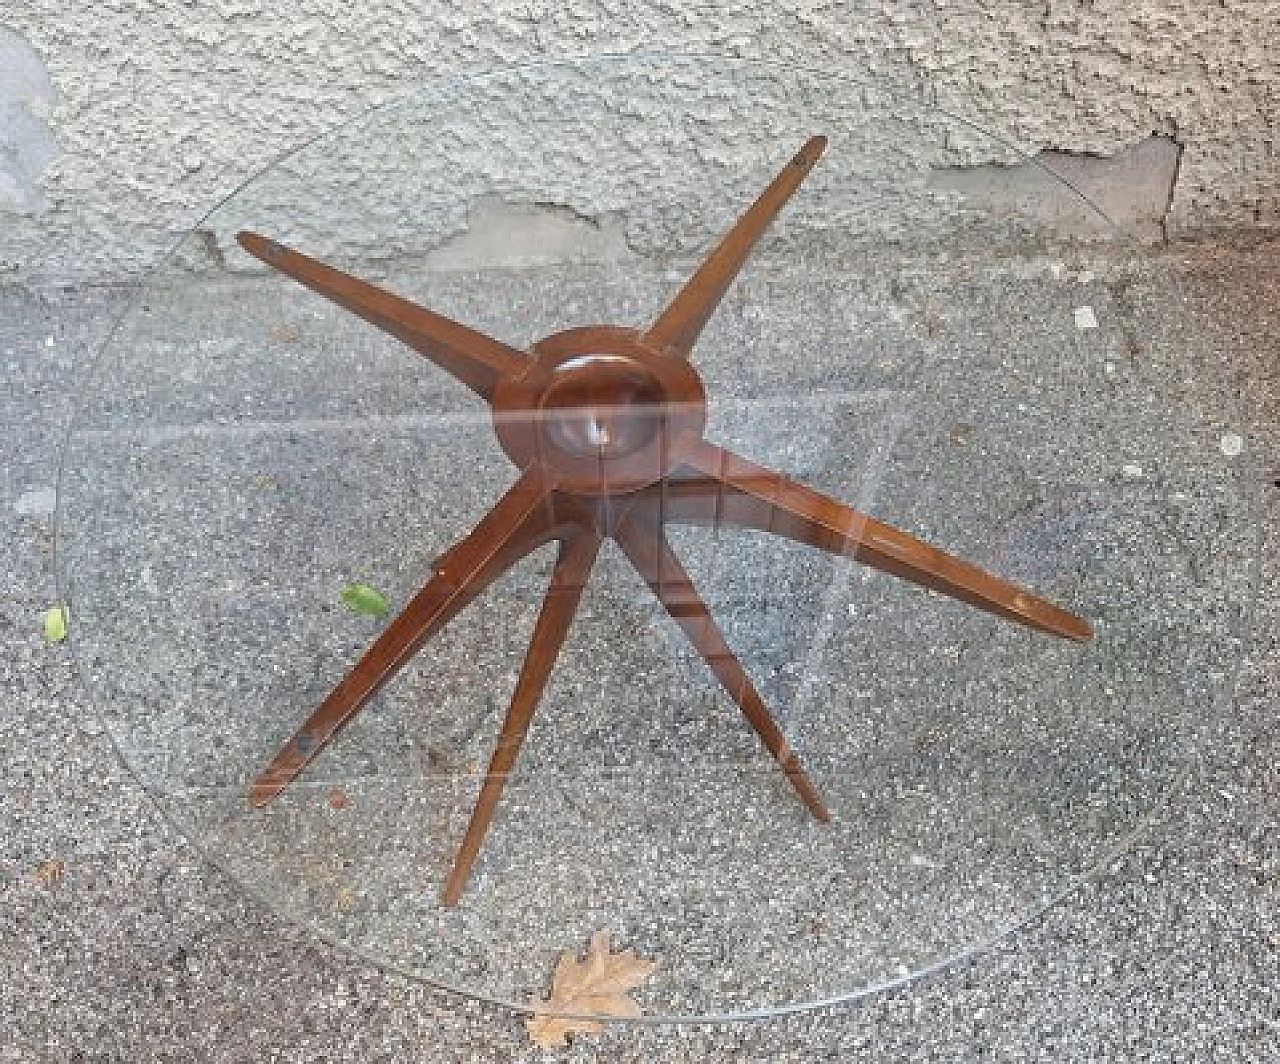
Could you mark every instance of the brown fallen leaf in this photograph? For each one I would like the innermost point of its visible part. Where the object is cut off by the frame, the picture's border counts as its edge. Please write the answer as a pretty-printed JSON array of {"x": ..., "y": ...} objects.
[
  {"x": 337, "y": 798},
  {"x": 50, "y": 873},
  {"x": 597, "y": 985},
  {"x": 322, "y": 870}
]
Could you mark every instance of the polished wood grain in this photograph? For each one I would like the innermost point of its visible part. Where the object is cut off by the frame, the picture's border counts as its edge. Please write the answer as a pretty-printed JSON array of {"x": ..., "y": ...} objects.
[
  {"x": 515, "y": 526},
  {"x": 478, "y": 361},
  {"x": 680, "y": 324},
  {"x": 573, "y": 566},
  {"x": 643, "y": 539},
  {"x": 733, "y": 491}
]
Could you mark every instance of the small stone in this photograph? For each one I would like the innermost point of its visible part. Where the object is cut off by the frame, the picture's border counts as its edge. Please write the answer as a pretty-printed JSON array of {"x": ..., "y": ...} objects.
[
  {"x": 1132, "y": 471},
  {"x": 285, "y": 333},
  {"x": 37, "y": 503},
  {"x": 1085, "y": 318},
  {"x": 1231, "y": 444}
]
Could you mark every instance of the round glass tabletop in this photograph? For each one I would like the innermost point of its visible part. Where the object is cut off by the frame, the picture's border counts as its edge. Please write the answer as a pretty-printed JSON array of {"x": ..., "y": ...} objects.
[{"x": 901, "y": 368}]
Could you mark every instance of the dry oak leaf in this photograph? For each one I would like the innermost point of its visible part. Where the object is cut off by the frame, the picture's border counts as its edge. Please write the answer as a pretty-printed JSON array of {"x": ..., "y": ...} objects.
[
  {"x": 50, "y": 873},
  {"x": 597, "y": 985}
]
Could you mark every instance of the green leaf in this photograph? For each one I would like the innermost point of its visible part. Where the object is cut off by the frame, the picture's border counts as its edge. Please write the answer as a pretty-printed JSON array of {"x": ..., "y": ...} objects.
[
  {"x": 55, "y": 624},
  {"x": 361, "y": 598}
]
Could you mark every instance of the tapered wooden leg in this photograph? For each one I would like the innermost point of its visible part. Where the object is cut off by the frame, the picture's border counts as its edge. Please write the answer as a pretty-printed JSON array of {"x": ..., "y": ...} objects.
[
  {"x": 479, "y": 361},
  {"x": 679, "y": 325},
  {"x": 516, "y": 525},
  {"x": 577, "y": 555},
  {"x": 726, "y": 489},
  {"x": 643, "y": 540}
]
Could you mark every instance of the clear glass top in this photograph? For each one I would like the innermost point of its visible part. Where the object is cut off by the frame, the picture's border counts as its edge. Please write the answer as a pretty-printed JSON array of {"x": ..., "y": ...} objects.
[{"x": 246, "y": 450}]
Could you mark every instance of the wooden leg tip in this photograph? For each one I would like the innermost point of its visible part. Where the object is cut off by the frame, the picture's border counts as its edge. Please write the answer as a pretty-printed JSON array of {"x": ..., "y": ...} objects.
[{"x": 260, "y": 794}]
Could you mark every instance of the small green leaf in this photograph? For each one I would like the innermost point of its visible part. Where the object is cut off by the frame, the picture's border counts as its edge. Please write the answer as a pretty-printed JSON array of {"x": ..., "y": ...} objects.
[
  {"x": 55, "y": 624},
  {"x": 361, "y": 598}
]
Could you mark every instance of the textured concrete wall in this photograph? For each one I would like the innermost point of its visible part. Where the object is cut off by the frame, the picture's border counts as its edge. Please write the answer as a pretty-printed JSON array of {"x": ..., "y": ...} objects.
[
  {"x": 27, "y": 144},
  {"x": 163, "y": 106}
]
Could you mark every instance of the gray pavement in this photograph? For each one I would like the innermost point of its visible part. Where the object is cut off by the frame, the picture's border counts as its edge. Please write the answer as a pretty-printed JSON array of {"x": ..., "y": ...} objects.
[{"x": 141, "y": 950}]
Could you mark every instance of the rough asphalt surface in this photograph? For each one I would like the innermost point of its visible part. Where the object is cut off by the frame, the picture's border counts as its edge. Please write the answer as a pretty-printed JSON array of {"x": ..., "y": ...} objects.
[{"x": 139, "y": 951}]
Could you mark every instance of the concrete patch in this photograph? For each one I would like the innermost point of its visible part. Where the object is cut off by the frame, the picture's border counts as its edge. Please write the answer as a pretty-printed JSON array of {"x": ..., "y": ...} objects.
[
  {"x": 27, "y": 144},
  {"x": 512, "y": 235},
  {"x": 1133, "y": 188}
]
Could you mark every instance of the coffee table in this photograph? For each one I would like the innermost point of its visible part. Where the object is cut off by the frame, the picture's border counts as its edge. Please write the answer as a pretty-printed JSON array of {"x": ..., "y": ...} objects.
[{"x": 249, "y": 448}]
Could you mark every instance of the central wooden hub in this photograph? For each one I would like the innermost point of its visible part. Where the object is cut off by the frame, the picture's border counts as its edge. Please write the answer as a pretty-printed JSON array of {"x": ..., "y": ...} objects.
[
  {"x": 600, "y": 411},
  {"x": 602, "y": 406}
]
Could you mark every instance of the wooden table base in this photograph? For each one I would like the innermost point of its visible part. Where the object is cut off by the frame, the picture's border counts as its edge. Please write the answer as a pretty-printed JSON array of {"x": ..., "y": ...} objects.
[{"x": 606, "y": 426}]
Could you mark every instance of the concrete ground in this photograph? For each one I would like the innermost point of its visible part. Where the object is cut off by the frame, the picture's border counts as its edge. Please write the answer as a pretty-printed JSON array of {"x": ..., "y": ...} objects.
[{"x": 117, "y": 940}]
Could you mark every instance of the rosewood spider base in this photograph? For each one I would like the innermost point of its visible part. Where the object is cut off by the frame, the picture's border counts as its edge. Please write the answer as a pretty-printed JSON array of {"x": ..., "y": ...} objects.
[{"x": 606, "y": 427}]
